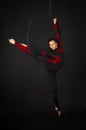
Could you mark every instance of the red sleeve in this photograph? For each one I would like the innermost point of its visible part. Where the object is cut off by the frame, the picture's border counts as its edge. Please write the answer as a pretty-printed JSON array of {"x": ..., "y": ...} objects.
[
  {"x": 58, "y": 37},
  {"x": 55, "y": 27},
  {"x": 23, "y": 48}
]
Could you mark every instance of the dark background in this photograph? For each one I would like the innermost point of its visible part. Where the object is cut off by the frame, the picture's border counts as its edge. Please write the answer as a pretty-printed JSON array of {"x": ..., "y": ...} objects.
[{"x": 26, "y": 88}]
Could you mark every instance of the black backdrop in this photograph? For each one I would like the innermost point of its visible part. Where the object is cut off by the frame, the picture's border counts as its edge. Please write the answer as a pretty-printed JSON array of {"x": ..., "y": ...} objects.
[{"x": 25, "y": 85}]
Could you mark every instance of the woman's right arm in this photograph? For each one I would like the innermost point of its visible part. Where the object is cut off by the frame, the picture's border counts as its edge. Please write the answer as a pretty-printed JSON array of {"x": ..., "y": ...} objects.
[
  {"x": 27, "y": 49},
  {"x": 21, "y": 46}
]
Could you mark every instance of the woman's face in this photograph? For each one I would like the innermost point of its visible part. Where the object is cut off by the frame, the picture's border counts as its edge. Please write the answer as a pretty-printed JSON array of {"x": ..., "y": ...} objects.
[{"x": 53, "y": 45}]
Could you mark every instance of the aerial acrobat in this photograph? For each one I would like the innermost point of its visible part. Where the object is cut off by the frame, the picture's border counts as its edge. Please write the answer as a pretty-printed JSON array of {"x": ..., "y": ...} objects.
[{"x": 53, "y": 60}]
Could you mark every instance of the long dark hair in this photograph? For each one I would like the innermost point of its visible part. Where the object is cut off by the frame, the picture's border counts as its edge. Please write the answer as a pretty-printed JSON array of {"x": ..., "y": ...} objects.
[{"x": 52, "y": 39}]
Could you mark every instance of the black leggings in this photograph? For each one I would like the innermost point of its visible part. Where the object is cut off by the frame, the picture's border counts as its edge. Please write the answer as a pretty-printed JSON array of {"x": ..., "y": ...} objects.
[
  {"x": 55, "y": 95},
  {"x": 53, "y": 78}
]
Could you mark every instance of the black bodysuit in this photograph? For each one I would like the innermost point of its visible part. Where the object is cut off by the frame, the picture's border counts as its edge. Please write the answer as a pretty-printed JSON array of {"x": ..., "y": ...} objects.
[{"x": 53, "y": 59}]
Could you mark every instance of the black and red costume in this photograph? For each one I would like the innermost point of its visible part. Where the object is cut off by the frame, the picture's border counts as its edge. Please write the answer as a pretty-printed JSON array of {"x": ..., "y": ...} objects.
[{"x": 53, "y": 59}]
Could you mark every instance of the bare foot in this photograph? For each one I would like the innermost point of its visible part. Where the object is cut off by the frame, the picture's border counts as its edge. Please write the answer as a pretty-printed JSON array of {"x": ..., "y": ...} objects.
[
  {"x": 56, "y": 108},
  {"x": 57, "y": 111}
]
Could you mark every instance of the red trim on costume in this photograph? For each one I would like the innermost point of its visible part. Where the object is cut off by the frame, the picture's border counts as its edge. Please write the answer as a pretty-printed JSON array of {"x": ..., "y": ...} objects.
[
  {"x": 23, "y": 48},
  {"x": 55, "y": 27},
  {"x": 58, "y": 37},
  {"x": 55, "y": 60},
  {"x": 60, "y": 50}
]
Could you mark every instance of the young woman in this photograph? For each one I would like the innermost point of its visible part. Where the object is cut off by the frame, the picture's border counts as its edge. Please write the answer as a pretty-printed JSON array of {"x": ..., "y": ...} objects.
[{"x": 53, "y": 60}]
